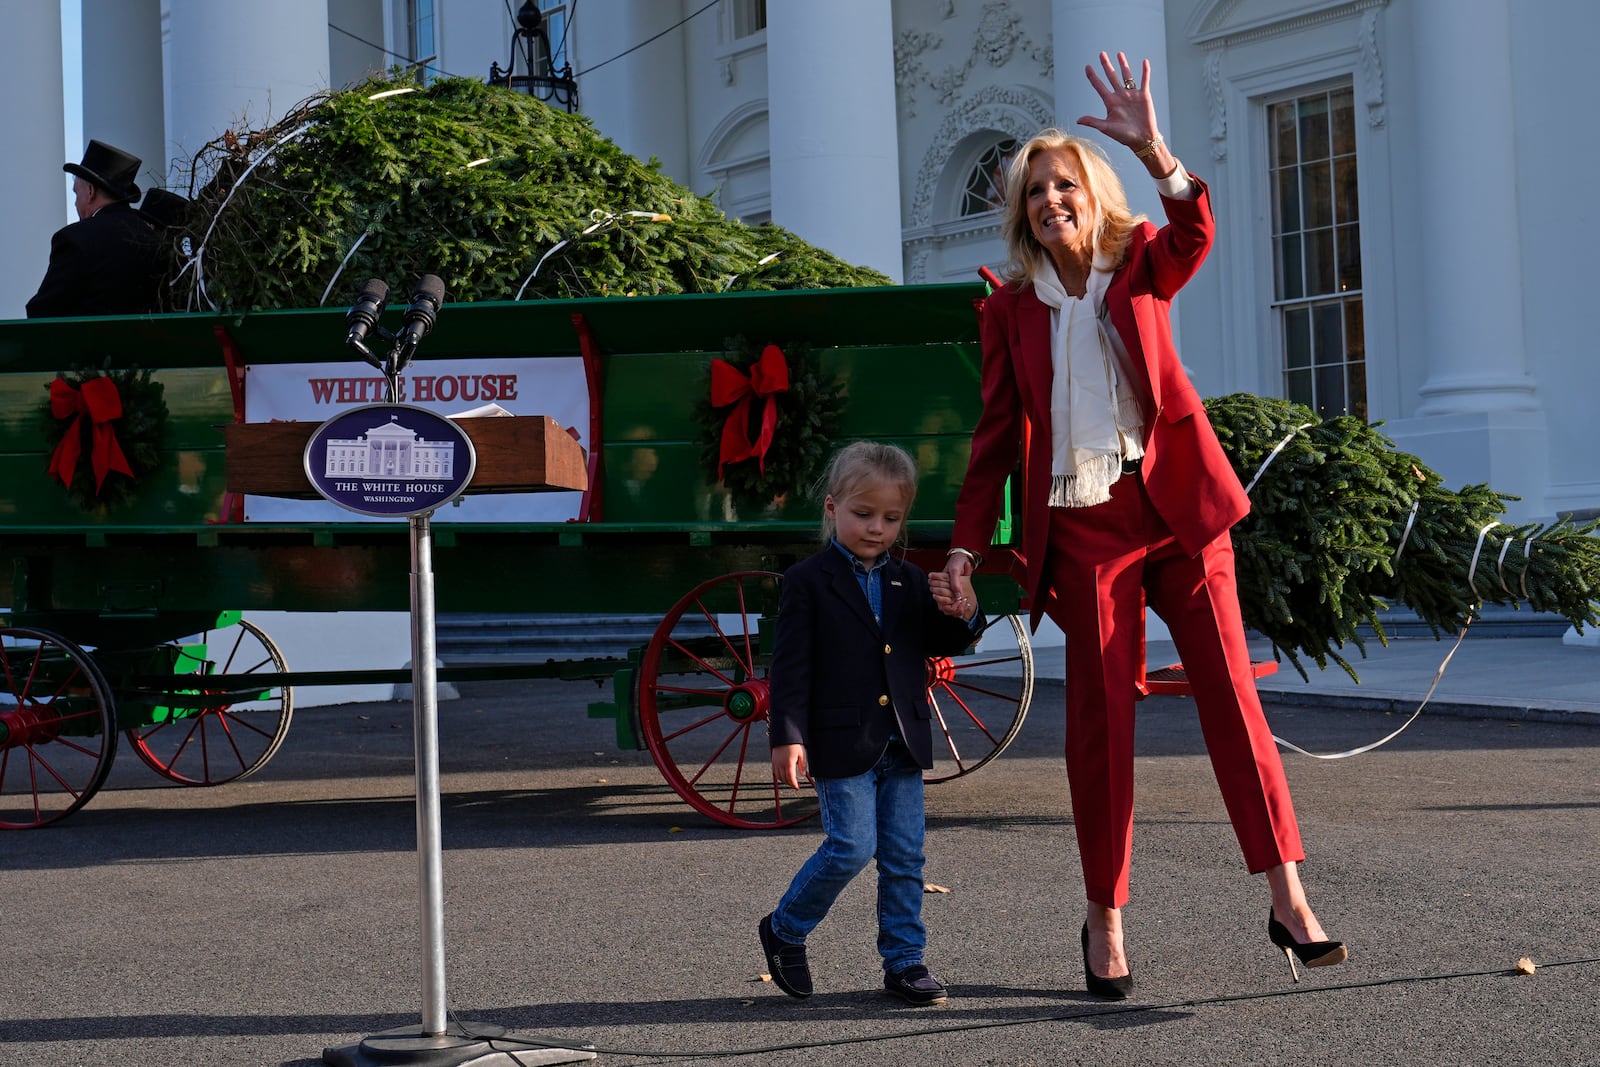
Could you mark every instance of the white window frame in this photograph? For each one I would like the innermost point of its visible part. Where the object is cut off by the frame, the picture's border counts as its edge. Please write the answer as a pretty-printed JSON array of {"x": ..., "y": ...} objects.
[{"x": 1268, "y": 67}]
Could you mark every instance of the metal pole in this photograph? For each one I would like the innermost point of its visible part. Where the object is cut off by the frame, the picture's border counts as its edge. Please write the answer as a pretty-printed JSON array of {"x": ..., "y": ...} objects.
[{"x": 424, "y": 688}]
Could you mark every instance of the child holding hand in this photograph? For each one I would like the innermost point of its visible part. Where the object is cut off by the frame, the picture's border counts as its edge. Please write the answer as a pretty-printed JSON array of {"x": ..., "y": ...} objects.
[{"x": 850, "y": 710}]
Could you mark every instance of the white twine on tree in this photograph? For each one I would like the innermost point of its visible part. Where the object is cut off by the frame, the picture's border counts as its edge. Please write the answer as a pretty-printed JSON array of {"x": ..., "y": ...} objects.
[
  {"x": 364, "y": 235},
  {"x": 1437, "y": 675},
  {"x": 1472, "y": 569},
  {"x": 762, "y": 262},
  {"x": 1272, "y": 456},
  {"x": 1405, "y": 535},
  {"x": 197, "y": 260},
  {"x": 604, "y": 221}
]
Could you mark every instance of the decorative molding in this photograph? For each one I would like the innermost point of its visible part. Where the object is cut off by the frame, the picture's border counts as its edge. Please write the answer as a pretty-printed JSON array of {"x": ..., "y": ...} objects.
[
  {"x": 1372, "y": 70},
  {"x": 713, "y": 151},
  {"x": 725, "y": 69},
  {"x": 1013, "y": 110},
  {"x": 917, "y": 274},
  {"x": 999, "y": 30},
  {"x": 908, "y": 49},
  {"x": 1217, "y": 102},
  {"x": 999, "y": 36},
  {"x": 1211, "y": 23}
]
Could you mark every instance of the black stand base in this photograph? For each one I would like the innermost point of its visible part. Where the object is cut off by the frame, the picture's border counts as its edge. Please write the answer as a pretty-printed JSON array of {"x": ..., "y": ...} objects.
[{"x": 471, "y": 1044}]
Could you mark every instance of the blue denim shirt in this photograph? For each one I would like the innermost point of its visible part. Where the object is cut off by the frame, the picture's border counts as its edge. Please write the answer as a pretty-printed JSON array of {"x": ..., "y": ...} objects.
[{"x": 870, "y": 578}]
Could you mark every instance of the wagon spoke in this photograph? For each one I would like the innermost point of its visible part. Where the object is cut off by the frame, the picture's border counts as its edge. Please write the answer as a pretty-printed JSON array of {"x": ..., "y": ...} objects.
[
  {"x": 706, "y": 766},
  {"x": 60, "y": 721},
  {"x": 992, "y": 691},
  {"x": 695, "y": 656},
  {"x": 972, "y": 715},
  {"x": 693, "y": 726},
  {"x": 707, "y": 651},
  {"x": 253, "y": 719}
]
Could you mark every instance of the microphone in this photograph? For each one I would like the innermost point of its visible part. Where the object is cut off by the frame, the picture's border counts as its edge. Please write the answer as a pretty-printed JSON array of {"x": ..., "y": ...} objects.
[
  {"x": 363, "y": 316},
  {"x": 426, "y": 299}
]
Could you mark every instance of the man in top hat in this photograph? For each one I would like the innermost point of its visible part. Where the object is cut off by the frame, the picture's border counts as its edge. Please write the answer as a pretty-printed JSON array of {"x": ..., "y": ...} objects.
[{"x": 108, "y": 262}]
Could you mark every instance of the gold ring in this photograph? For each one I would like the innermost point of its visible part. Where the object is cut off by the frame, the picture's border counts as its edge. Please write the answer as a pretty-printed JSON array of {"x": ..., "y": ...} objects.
[{"x": 1127, "y": 83}]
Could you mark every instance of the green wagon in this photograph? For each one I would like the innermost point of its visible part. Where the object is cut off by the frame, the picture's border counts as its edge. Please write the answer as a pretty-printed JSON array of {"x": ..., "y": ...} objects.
[{"x": 134, "y": 620}]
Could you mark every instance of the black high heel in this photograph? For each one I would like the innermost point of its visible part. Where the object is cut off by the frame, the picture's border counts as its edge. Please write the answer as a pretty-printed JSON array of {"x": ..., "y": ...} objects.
[
  {"x": 1109, "y": 988},
  {"x": 1311, "y": 953}
]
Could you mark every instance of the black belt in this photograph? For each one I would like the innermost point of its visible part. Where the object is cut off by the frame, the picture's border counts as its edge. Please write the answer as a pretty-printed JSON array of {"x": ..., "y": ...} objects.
[{"x": 1131, "y": 466}]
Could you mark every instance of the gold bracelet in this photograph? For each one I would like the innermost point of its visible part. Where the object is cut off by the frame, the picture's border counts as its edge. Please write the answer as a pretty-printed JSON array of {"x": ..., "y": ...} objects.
[
  {"x": 1155, "y": 143},
  {"x": 971, "y": 555}
]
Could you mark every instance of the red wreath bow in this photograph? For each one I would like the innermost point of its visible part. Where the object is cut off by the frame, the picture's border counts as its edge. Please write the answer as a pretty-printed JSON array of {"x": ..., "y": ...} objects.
[
  {"x": 99, "y": 400},
  {"x": 769, "y": 376}
]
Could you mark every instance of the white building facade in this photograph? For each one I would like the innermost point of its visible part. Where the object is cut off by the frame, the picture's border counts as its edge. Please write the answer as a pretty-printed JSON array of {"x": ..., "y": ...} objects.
[{"x": 1402, "y": 229}]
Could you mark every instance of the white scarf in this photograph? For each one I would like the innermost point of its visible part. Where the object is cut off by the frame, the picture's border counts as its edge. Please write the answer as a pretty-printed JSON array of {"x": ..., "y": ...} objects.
[{"x": 1095, "y": 419}]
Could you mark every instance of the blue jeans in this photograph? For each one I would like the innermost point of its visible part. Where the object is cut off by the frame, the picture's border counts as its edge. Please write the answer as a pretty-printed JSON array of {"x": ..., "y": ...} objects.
[{"x": 874, "y": 815}]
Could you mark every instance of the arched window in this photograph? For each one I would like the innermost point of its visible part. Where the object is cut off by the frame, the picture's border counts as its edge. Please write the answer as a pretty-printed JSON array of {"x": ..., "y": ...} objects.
[{"x": 986, "y": 182}]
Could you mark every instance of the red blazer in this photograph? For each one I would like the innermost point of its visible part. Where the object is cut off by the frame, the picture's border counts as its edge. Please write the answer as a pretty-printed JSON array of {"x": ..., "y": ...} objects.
[{"x": 1186, "y": 472}]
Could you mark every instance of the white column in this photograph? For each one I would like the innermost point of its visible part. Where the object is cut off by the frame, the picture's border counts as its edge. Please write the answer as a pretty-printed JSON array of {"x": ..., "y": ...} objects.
[
  {"x": 831, "y": 117},
  {"x": 641, "y": 100},
  {"x": 35, "y": 204},
  {"x": 1080, "y": 31},
  {"x": 1479, "y": 419},
  {"x": 1472, "y": 287},
  {"x": 122, "y": 88},
  {"x": 241, "y": 64}
]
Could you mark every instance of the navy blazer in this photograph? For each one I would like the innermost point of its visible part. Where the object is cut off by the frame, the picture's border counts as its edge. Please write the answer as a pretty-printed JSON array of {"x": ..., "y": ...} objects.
[
  {"x": 107, "y": 264},
  {"x": 840, "y": 683}
]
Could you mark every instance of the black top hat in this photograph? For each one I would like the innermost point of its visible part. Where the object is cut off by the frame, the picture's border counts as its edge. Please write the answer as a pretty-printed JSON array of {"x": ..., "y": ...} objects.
[
  {"x": 109, "y": 168},
  {"x": 162, "y": 208}
]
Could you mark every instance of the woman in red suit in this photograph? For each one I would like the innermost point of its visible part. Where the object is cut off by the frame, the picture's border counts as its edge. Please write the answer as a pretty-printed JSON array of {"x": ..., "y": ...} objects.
[{"x": 1128, "y": 492}]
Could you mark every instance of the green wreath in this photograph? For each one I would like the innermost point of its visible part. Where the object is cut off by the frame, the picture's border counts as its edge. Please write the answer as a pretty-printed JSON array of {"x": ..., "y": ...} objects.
[
  {"x": 807, "y": 420},
  {"x": 140, "y": 431}
]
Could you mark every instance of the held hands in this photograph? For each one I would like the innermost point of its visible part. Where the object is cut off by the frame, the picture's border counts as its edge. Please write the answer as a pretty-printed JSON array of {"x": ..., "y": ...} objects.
[
  {"x": 789, "y": 765},
  {"x": 954, "y": 594}
]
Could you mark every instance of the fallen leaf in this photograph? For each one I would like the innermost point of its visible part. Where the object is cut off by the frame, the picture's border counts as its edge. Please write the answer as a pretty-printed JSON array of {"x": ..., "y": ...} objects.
[
  {"x": 763, "y": 978},
  {"x": 1525, "y": 966},
  {"x": 602, "y": 781},
  {"x": 674, "y": 829},
  {"x": 929, "y": 887}
]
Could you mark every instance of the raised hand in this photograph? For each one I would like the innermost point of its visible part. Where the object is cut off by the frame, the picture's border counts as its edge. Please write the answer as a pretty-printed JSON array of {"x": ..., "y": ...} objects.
[{"x": 1130, "y": 109}]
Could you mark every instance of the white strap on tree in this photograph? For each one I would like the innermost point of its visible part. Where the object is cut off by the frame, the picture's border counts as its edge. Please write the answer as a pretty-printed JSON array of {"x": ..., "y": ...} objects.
[
  {"x": 197, "y": 261},
  {"x": 1272, "y": 456},
  {"x": 602, "y": 221},
  {"x": 1437, "y": 675},
  {"x": 343, "y": 263},
  {"x": 1405, "y": 535}
]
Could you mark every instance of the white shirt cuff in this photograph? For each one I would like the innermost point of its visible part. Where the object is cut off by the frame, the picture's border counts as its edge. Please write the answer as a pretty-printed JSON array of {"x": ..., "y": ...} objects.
[{"x": 1177, "y": 186}]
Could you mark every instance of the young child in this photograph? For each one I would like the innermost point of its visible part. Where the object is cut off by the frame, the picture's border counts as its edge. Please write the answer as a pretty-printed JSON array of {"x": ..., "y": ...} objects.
[{"x": 850, "y": 709}]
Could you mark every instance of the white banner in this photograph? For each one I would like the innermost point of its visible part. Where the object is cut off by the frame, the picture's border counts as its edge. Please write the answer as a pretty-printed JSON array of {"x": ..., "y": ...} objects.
[{"x": 315, "y": 392}]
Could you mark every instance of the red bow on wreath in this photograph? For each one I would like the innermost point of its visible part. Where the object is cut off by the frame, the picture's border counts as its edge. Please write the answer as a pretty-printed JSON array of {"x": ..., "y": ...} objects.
[
  {"x": 99, "y": 400},
  {"x": 769, "y": 376}
]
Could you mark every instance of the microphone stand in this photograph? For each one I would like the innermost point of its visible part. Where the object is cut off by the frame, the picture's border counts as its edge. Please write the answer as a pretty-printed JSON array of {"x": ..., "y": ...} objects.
[{"x": 435, "y": 1043}]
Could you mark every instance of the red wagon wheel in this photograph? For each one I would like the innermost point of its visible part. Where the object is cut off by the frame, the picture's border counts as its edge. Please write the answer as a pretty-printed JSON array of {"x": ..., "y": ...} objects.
[
  {"x": 979, "y": 700},
  {"x": 225, "y": 727},
  {"x": 703, "y": 704},
  {"x": 58, "y": 730}
]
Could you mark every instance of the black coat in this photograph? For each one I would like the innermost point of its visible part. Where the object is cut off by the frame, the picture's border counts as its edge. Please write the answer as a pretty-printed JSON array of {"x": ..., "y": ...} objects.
[
  {"x": 840, "y": 682},
  {"x": 106, "y": 264}
]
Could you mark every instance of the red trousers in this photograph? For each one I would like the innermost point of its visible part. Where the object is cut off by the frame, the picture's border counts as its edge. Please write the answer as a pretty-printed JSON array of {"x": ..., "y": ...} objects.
[{"x": 1099, "y": 559}]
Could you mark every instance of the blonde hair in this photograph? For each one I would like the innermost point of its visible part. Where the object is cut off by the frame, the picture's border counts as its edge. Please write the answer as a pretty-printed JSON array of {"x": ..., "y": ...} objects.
[
  {"x": 864, "y": 463},
  {"x": 1113, "y": 222}
]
